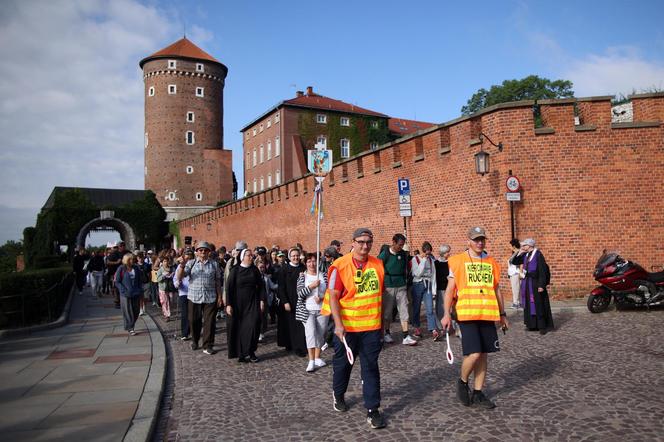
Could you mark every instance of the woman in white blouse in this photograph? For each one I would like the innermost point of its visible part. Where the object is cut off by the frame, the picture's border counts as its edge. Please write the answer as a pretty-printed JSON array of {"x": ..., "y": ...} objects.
[{"x": 311, "y": 287}]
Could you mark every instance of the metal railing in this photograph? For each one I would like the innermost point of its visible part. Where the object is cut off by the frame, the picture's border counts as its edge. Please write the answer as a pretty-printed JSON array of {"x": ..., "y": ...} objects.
[{"x": 35, "y": 306}]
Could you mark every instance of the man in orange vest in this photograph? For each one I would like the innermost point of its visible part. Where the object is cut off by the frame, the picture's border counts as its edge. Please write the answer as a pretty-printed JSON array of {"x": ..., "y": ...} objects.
[
  {"x": 473, "y": 283},
  {"x": 354, "y": 299}
]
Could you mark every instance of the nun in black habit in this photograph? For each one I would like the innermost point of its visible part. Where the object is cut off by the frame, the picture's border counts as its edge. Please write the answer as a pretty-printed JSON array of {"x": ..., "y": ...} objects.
[
  {"x": 246, "y": 301},
  {"x": 290, "y": 331}
]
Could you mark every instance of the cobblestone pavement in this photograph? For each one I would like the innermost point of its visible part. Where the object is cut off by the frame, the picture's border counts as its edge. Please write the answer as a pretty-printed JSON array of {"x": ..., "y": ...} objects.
[{"x": 597, "y": 377}]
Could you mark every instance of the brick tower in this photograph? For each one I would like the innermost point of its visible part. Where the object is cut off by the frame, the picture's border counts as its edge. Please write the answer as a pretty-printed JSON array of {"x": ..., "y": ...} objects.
[{"x": 185, "y": 163}]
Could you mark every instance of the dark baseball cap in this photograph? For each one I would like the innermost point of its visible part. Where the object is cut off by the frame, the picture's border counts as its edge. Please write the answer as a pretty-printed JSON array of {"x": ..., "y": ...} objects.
[
  {"x": 476, "y": 232},
  {"x": 361, "y": 232}
]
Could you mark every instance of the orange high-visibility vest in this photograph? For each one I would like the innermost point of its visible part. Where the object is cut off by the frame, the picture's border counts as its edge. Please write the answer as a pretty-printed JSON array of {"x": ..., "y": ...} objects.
[
  {"x": 476, "y": 283},
  {"x": 361, "y": 302}
]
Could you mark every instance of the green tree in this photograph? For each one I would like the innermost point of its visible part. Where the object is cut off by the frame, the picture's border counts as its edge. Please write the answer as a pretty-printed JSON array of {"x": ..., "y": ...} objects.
[
  {"x": 528, "y": 88},
  {"x": 8, "y": 253}
]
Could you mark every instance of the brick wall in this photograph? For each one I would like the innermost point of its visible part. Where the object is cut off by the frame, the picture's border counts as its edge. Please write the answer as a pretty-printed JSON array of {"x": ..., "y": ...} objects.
[{"x": 585, "y": 188}]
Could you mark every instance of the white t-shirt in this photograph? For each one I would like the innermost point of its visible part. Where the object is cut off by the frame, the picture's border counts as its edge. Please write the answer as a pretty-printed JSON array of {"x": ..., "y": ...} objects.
[{"x": 311, "y": 304}]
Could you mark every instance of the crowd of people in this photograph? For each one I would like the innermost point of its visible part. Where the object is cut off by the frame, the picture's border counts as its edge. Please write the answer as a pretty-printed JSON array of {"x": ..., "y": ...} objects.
[{"x": 347, "y": 301}]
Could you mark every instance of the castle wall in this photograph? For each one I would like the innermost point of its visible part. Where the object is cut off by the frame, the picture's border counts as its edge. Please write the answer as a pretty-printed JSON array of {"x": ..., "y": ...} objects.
[{"x": 585, "y": 188}]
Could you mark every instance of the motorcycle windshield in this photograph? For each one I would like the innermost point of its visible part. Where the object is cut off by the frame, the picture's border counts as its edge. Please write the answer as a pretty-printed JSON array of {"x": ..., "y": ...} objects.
[{"x": 605, "y": 260}]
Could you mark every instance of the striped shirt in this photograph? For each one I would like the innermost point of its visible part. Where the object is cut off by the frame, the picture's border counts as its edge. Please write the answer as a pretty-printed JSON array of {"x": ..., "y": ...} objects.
[{"x": 203, "y": 280}]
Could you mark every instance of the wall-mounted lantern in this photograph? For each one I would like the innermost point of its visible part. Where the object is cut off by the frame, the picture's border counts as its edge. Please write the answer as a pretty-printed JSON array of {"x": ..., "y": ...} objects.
[{"x": 482, "y": 163}]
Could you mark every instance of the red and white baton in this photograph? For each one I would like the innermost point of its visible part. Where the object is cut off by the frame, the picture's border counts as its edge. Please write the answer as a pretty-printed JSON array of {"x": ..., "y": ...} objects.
[
  {"x": 450, "y": 356},
  {"x": 349, "y": 352}
]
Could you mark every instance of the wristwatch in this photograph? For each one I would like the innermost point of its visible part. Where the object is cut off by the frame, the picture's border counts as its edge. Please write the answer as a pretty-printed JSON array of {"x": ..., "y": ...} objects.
[{"x": 503, "y": 314}]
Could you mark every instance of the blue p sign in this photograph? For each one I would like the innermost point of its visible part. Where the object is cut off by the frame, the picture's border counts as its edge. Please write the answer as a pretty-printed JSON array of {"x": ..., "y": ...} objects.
[{"x": 404, "y": 186}]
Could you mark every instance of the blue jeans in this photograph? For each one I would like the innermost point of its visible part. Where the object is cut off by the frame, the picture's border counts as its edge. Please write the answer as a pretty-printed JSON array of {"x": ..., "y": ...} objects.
[
  {"x": 422, "y": 291},
  {"x": 368, "y": 345}
]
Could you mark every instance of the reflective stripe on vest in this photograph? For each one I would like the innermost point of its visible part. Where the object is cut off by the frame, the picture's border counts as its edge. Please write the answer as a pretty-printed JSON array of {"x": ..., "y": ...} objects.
[{"x": 360, "y": 304}]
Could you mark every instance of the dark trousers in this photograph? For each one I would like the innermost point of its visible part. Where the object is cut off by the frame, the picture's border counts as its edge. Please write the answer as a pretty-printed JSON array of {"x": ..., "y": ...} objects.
[
  {"x": 184, "y": 315},
  {"x": 203, "y": 316},
  {"x": 80, "y": 280},
  {"x": 368, "y": 346}
]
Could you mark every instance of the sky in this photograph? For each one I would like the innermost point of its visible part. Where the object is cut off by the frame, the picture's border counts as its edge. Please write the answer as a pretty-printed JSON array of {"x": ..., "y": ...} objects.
[{"x": 71, "y": 90}]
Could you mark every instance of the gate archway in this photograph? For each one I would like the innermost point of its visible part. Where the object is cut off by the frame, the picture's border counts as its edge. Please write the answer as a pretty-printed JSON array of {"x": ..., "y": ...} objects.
[{"x": 127, "y": 234}]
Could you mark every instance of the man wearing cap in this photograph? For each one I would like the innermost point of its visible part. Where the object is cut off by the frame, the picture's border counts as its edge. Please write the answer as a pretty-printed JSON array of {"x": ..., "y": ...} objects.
[
  {"x": 205, "y": 295},
  {"x": 354, "y": 300},
  {"x": 473, "y": 289},
  {"x": 337, "y": 245}
]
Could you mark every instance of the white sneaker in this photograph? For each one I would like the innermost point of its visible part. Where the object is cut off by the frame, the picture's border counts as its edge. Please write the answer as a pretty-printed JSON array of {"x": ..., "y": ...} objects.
[
  {"x": 388, "y": 338},
  {"x": 408, "y": 340},
  {"x": 324, "y": 347},
  {"x": 319, "y": 363},
  {"x": 261, "y": 337},
  {"x": 141, "y": 313},
  {"x": 311, "y": 367}
]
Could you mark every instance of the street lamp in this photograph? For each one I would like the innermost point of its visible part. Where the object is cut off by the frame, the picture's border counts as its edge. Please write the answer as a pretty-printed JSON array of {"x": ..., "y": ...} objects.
[{"x": 482, "y": 157}]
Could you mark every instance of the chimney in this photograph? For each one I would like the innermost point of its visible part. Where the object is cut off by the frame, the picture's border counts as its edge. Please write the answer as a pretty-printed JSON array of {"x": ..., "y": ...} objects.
[
  {"x": 310, "y": 91},
  {"x": 299, "y": 94}
]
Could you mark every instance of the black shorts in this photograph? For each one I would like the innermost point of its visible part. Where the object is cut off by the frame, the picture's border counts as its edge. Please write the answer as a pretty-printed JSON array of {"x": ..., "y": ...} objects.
[{"x": 479, "y": 337}]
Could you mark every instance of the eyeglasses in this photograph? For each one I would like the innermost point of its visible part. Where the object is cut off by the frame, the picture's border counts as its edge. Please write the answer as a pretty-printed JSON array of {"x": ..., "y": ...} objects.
[{"x": 364, "y": 243}]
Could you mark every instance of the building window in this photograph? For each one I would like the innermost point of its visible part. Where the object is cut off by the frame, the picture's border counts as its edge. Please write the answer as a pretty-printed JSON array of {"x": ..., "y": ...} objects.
[
  {"x": 322, "y": 140},
  {"x": 172, "y": 89},
  {"x": 345, "y": 148},
  {"x": 146, "y": 139},
  {"x": 262, "y": 183},
  {"x": 190, "y": 138},
  {"x": 254, "y": 162},
  {"x": 190, "y": 117},
  {"x": 199, "y": 67},
  {"x": 374, "y": 124},
  {"x": 321, "y": 118},
  {"x": 269, "y": 149},
  {"x": 277, "y": 177},
  {"x": 344, "y": 121},
  {"x": 246, "y": 134},
  {"x": 190, "y": 170},
  {"x": 373, "y": 145},
  {"x": 277, "y": 146},
  {"x": 248, "y": 160},
  {"x": 269, "y": 180},
  {"x": 254, "y": 185},
  {"x": 269, "y": 122},
  {"x": 172, "y": 64},
  {"x": 276, "y": 117},
  {"x": 260, "y": 127},
  {"x": 200, "y": 91},
  {"x": 151, "y": 91},
  {"x": 254, "y": 131},
  {"x": 145, "y": 170},
  {"x": 261, "y": 154},
  {"x": 171, "y": 196},
  {"x": 199, "y": 196}
]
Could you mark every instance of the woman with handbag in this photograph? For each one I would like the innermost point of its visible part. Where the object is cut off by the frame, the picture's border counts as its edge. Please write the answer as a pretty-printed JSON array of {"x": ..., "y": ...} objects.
[{"x": 311, "y": 287}]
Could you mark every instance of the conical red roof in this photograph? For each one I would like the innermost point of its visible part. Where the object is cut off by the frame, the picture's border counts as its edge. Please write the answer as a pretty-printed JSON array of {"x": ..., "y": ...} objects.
[{"x": 182, "y": 48}]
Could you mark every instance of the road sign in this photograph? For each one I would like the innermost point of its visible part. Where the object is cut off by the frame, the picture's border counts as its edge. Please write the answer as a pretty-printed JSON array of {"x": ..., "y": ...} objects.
[
  {"x": 513, "y": 196},
  {"x": 404, "y": 186},
  {"x": 407, "y": 212},
  {"x": 404, "y": 199},
  {"x": 513, "y": 184}
]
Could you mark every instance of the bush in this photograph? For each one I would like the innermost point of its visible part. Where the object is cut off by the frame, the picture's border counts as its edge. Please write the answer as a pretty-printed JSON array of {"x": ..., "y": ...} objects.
[
  {"x": 34, "y": 296},
  {"x": 48, "y": 262}
]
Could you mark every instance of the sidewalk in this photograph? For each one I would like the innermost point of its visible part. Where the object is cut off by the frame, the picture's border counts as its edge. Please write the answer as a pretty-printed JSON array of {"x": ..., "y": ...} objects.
[{"x": 87, "y": 380}]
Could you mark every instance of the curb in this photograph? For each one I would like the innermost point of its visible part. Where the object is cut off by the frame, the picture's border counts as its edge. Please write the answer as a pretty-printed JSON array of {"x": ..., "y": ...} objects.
[
  {"x": 144, "y": 421},
  {"x": 62, "y": 320}
]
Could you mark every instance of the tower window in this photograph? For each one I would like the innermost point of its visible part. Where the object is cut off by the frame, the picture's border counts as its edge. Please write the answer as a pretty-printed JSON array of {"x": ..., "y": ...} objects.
[
  {"x": 200, "y": 91},
  {"x": 262, "y": 183},
  {"x": 199, "y": 196},
  {"x": 345, "y": 148},
  {"x": 261, "y": 154},
  {"x": 277, "y": 146},
  {"x": 200, "y": 67},
  {"x": 260, "y": 128},
  {"x": 151, "y": 91},
  {"x": 172, "y": 64},
  {"x": 269, "y": 149},
  {"x": 248, "y": 164},
  {"x": 254, "y": 162},
  {"x": 269, "y": 122},
  {"x": 190, "y": 170},
  {"x": 321, "y": 118},
  {"x": 146, "y": 139},
  {"x": 171, "y": 196},
  {"x": 172, "y": 89},
  {"x": 190, "y": 117},
  {"x": 190, "y": 138},
  {"x": 269, "y": 180},
  {"x": 276, "y": 117},
  {"x": 344, "y": 121},
  {"x": 254, "y": 131},
  {"x": 145, "y": 170},
  {"x": 277, "y": 177},
  {"x": 254, "y": 185}
]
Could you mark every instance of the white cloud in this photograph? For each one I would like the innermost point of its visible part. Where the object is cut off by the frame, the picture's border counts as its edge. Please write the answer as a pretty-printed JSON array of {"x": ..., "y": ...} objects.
[
  {"x": 71, "y": 112},
  {"x": 619, "y": 70}
]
